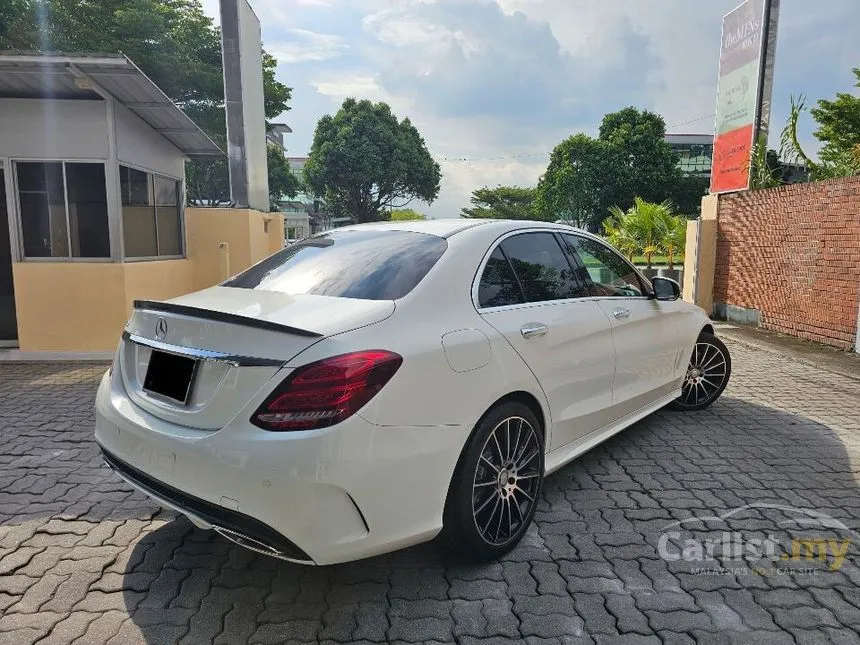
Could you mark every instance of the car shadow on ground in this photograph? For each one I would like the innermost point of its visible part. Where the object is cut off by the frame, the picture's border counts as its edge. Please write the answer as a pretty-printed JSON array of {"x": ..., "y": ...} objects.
[{"x": 605, "y": 555}]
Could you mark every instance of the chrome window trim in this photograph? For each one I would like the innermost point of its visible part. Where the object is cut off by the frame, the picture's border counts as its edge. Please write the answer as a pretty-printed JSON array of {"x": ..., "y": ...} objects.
[{"x": 202, "y": 354}]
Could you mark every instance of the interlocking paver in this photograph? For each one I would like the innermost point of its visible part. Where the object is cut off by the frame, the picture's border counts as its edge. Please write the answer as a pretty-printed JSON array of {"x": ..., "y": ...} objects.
[{"x": 84, "y": 560}]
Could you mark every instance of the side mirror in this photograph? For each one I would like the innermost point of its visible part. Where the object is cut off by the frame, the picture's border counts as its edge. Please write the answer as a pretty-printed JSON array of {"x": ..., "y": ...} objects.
[{"x": 665, "y": 288}]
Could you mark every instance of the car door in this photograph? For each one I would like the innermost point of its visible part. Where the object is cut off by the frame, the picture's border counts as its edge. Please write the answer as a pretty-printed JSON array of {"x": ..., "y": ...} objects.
[
  {"x": 645, "y": 331},
  {"x": 529, "y": 292}
]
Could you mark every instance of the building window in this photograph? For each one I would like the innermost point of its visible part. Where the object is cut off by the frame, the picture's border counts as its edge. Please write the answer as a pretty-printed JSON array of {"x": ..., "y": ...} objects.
[
  {"x": 63, "y": 209},
  {"x": 150, "y": 214}
]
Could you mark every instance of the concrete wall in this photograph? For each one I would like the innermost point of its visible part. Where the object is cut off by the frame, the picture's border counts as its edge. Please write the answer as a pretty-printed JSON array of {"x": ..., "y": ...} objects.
[
  {"x": 789, "y": 259},
  {"x": 249, "y": 236},
  {"x": 139, "y": 145},
  {"x": 45, "y": 129},
  {"x": 157, "y": 280},
  {"x": 69, "y": 307},
  {"x": 699, "y": 255},
  {"x": 690, "y": 261},
  {"x": 82, "y": 307}
]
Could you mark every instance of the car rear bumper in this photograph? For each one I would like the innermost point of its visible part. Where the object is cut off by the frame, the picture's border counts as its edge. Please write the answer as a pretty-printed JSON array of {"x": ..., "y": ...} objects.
[{"x": 343, "y": 493}]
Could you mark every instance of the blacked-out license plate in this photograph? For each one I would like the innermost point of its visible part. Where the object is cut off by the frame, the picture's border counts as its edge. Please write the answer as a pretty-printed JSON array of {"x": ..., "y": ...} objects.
[{"x": 170, "y": 376}]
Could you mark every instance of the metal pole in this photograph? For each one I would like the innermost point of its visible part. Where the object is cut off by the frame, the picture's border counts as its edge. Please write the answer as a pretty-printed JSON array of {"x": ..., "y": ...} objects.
[{"x": 768, "y": 55}]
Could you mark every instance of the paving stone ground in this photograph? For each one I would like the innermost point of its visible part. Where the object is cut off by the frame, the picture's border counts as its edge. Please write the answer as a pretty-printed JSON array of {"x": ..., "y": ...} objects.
[{"x": 85, "y": 560}]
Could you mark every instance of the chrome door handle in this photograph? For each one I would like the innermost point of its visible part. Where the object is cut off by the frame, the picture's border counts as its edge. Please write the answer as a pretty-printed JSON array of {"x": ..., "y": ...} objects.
[
  {"x": 621, "y": 314},
  {"x": 533, "y": 329}
]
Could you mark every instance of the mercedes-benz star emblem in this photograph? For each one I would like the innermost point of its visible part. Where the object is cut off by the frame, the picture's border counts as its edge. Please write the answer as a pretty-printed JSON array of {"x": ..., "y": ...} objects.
[{"x": 161, "y": 329}]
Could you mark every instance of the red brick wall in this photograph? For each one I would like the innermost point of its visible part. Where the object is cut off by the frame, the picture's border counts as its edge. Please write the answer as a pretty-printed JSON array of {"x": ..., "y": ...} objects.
[{"x": 793, "y": 254}]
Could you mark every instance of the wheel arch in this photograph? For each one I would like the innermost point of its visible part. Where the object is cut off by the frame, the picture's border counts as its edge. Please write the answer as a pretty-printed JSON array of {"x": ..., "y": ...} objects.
[
  {"x": 527, "y": 399},
  {"x": 519, "y": 396},
  {"x": 708, "y": 329}
]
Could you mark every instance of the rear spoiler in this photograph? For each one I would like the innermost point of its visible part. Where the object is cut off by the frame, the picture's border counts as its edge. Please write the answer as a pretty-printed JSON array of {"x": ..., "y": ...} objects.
[{"x": 220, "y": 316}]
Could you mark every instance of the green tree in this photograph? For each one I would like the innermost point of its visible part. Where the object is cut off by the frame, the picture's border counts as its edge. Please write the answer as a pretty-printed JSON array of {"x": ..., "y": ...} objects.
[
  {"x": 649, "y": 166},
  {"x": 406, "y": 214},
  {"x": 282, "y": 181},
  {"x": 619, "y": 235},
  {"x": 580, "y": 183},
  {"x": 363, "y": 160},
  {"x": 761, "y": 173},
  {"x": 501, "y": 202},
  {"x": 839, "y": 127},
  {"x": 173, "y": 41},
  {"x": 629, "y": 158},
  {"x": 13, "y": 14},
  {"x": 674, "y": 237},
  {"x": 841, "y": 162},
  {"x": 646, "y": 227},
  {"x": 687, "y": 192}
]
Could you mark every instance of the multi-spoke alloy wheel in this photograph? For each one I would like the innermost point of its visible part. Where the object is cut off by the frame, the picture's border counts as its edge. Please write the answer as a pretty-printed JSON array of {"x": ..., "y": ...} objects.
[
  {"x": 497, "y": 483},
  {"x": 506, "y": 480},
  {"x": 707, "y": 374}
]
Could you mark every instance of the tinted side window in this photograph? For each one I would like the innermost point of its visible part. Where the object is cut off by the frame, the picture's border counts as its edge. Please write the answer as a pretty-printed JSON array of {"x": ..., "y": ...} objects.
[
  {"x": 542, "y": 268},
  {"x": 609, "y": 273},
  {"x": 498, "y": 286},
  {"x": 370, "y": 265}
]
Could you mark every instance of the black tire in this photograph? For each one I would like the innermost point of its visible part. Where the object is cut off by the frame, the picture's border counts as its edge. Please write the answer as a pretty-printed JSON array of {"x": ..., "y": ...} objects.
[
  {"x": 707, "y": 374},
  {"x": 479, "y": 512}
]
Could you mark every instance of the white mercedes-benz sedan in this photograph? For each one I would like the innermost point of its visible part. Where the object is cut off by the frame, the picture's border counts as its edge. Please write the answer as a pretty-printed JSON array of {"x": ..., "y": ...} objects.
[{"x": 371, "y": 387}]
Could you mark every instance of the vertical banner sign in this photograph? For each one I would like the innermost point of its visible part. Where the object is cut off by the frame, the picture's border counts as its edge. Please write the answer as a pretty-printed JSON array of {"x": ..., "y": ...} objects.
[{"x": 739, "y": 96}]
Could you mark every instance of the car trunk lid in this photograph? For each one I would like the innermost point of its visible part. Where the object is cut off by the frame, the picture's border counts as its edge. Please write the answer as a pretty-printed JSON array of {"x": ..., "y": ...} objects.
[{"x": 215, "y": 349}]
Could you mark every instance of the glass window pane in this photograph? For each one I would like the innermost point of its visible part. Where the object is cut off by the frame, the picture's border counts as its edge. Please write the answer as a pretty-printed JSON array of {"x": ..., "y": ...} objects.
[
  {"x": 41, "y": 198},
  {"x": 35, "y": 225},
  {"x": 610, "y": 274},
  {"x": 166, "y": 191},
  {"x": 167, "y": 214},
  {"x": 135, "y": 187},
  {"x": 88, "y": 214},
  {"x": 31, "y": 176},
  {"x": 498, "y": 286},
  {"x": 542, "y": 267},
  {"x": 168, "y": 230},
  {"x": 372, "y": 265},
  {"x": 138, "y": 214}
]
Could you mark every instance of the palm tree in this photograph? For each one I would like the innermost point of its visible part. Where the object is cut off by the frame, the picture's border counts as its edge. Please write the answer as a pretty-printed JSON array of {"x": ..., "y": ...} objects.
[
  {"x": 644, "y": 224},
  {"x": 674, "y": 237},
  {"x": 619, "y": 235}
]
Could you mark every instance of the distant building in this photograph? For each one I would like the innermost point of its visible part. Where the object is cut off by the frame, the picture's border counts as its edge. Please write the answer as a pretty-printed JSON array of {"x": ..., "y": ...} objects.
[
  {"x": 275, "y": 134},
  {"x": 320, "y": 219},
  {"x": 696, "y": 152}
]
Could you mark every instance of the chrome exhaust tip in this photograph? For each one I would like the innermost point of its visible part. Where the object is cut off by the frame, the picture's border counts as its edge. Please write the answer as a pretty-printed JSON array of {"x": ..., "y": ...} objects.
[{"x": 255, "y": 545}]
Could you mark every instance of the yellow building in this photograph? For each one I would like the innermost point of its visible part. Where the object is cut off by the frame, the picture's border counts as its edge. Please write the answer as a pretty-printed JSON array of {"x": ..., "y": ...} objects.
[{"x": 92, "y": 159}]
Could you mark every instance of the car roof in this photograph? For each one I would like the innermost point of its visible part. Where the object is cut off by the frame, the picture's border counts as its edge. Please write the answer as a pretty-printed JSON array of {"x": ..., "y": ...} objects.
[
  {"x": 439, "y": 227},
  {"x": 451, "y": 226}
]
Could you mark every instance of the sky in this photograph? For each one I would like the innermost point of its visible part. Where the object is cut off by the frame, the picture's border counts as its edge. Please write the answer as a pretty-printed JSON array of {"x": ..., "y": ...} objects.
[{"x": 494, "y": 85}]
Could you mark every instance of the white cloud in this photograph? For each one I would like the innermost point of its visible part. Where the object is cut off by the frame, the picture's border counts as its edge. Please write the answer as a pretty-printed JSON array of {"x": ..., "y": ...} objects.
[
  {"x": 459, "y": 179},
  {"x": 498, "y": 78},
  {"x": 346, "y": 86},
  {"x": 304, "y": 45}
]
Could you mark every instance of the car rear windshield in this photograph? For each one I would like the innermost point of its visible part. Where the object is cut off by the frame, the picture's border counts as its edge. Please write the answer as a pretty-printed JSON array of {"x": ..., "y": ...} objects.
[{"x": 370, "y": 265}]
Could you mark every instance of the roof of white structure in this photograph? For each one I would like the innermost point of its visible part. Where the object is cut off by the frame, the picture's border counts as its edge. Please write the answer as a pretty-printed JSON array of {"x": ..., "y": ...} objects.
[{"x": 98, "y": 76}]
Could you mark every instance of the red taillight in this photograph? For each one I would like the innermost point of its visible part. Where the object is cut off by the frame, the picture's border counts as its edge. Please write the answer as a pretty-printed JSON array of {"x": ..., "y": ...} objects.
[{"x": 321, "y": 394}]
